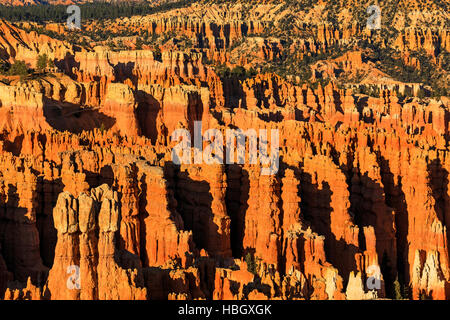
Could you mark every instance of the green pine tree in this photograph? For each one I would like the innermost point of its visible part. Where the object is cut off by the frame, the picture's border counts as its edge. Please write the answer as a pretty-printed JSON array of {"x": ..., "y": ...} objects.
[
  {"x": 251, "y": 264},
  {"x": 42, "y": 62},
  {"x": 18, "y": 68},
  {"x": 397, "y": 290}
]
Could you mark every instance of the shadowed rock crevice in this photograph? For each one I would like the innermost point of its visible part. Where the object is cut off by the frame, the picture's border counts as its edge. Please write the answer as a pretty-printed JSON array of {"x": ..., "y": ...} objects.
[{"x": 74, "y": 118}]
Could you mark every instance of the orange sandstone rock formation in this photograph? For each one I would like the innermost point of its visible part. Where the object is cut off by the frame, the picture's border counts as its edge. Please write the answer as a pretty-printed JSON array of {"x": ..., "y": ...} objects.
[{"x": 92, "y": 205}]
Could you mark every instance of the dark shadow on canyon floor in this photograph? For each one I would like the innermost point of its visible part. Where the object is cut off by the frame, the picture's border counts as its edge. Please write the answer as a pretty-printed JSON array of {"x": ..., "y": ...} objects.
[{"x": 64, "y": 116}]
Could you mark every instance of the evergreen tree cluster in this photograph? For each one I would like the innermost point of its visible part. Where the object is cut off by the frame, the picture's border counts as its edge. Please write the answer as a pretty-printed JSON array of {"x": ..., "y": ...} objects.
[
  {"x": 96, "y": 10},
  {"x": 18, "y": 68}
]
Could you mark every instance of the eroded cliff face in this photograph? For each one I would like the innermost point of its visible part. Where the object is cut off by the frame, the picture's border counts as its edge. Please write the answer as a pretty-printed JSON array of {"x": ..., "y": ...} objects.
[
  {"x": 17, "y": 44},
  {"x": 92, "y": 205}
]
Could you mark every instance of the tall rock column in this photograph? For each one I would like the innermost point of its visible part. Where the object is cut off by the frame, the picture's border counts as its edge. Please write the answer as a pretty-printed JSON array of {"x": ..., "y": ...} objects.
[
  {"x": 201, "y": 202},
  {"x": 19, "y": 237},
  {"x": 163, "y": 238},
  {"x": 262, "y": 217},
  {"x": 88, "y": 263}
]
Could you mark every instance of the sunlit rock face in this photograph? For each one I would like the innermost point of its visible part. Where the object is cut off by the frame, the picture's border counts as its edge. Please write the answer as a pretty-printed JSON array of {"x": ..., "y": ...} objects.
[{"x": 94, "y": 206}]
